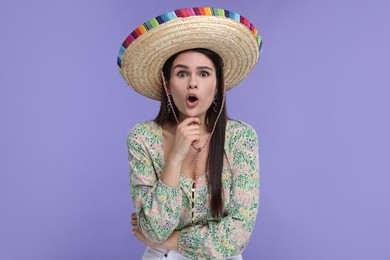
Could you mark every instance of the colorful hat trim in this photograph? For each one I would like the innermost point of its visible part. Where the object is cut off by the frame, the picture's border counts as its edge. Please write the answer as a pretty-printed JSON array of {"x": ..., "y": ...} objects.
[{"x": 186, "y": 12}]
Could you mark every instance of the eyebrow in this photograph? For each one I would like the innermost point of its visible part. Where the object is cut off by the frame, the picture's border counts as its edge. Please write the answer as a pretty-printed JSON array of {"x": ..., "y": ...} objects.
[{"x": 186, "y": 67}]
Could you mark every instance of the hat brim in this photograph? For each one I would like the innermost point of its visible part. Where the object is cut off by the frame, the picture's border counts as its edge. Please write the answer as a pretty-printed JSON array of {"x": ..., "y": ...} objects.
[{"x": 142, "y": 61}]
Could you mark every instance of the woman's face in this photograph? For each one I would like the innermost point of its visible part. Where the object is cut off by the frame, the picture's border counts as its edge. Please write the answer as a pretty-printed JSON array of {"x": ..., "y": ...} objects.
[{"x": 192, "y": 84}]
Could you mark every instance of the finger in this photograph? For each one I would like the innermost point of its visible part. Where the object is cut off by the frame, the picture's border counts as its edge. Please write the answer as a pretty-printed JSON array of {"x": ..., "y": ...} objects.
[
  {"x": 193, "y": 135},
  {"x": 188, "y": 132},
  {"x": 134, "y": 228},
  {"x": 133, "y": 222},
  {"x": 185, "y": 128},
  {"x": 191, "y": 120},
  {"x": 193, "y": 131},
  {"x": 195, "y": 140},
  {"x": 191, "y": 127}
]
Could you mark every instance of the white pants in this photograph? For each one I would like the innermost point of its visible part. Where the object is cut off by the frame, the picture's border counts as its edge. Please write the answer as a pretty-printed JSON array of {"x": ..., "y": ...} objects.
[{"x": 162, "y": 254}]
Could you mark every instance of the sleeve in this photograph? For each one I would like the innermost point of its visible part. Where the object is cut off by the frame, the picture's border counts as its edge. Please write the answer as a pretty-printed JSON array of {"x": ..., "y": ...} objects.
[
  {"x": 157, "y": 205},
  {"x": 218, "y": 240}
]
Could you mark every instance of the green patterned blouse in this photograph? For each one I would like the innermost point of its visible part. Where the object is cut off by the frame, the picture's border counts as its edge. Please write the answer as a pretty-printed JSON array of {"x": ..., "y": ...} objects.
[{"x": 161, "y": 209}]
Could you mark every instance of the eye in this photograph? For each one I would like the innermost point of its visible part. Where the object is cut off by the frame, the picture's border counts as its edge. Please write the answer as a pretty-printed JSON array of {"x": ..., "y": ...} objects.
[
  {"x": 204, "y": 74},
  {"x": 182, "y": 74}
]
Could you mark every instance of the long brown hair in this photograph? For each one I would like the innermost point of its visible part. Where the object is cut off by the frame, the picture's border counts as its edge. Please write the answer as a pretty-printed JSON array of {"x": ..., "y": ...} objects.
[{"x": 217, "y": 143}]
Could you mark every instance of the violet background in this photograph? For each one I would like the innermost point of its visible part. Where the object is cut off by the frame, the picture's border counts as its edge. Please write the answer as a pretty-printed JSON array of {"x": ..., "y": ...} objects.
[{"x": 318, "y": 98}]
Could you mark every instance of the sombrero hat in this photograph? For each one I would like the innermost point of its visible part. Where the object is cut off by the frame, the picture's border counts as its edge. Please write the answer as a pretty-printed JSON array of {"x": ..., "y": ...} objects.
[{"x": 144, "y": 52}]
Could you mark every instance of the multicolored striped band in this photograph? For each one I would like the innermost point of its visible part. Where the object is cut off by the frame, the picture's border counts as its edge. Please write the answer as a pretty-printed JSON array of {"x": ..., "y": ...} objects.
[{"x": 186, "y": 12}]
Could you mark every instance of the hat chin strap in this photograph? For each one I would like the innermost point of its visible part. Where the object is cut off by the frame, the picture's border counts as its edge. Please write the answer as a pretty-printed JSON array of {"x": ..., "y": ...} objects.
[{"x": 197, "y": 149}]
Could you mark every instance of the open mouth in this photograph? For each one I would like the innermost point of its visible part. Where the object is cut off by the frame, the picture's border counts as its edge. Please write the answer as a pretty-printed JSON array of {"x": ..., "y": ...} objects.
[{"x": 192, "y": 99}]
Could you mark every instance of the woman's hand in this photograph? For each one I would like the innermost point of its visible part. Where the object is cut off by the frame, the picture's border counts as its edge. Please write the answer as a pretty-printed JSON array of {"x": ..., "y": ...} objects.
[
  {"x": 170, "y": 243},
  {"x": 134, "y": 223},
  {"x": 187, "y": 133},
  {"x": 138, "y": 234}
]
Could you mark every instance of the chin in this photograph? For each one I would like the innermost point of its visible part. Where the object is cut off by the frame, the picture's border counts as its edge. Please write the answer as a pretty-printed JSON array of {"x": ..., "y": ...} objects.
[{"x": 194, "y": 114}]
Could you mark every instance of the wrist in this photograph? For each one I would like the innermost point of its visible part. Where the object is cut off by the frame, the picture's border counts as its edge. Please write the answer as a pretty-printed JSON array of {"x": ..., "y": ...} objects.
[
  {"x": 171, "y": 173},
  {"x": 174, "y": 161},
  {"x": 172, "y": 242}
]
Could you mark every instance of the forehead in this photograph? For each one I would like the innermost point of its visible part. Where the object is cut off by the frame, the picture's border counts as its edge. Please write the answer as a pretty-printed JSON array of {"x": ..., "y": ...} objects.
[{"x": 193, "y": 59}]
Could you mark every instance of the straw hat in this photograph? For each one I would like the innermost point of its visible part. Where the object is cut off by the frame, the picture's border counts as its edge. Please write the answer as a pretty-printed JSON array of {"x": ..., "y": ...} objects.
[{"x": 144, "y": 52}]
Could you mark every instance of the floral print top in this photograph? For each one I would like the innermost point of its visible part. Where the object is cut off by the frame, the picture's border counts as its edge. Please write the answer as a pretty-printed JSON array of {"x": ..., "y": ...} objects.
[{"x": 161, "y": 209}]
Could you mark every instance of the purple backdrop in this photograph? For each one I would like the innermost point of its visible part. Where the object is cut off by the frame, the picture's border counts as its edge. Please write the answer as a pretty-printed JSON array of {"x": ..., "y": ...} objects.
[{"x": 319, "y": 100}]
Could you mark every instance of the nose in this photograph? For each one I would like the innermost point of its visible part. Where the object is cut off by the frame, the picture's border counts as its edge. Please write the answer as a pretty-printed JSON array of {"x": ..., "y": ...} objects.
[{"x": 192, "y": 84}]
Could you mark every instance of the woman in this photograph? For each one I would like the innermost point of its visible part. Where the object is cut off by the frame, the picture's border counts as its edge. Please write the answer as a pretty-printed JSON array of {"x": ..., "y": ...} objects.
[{"x": 194, "y": 173}]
